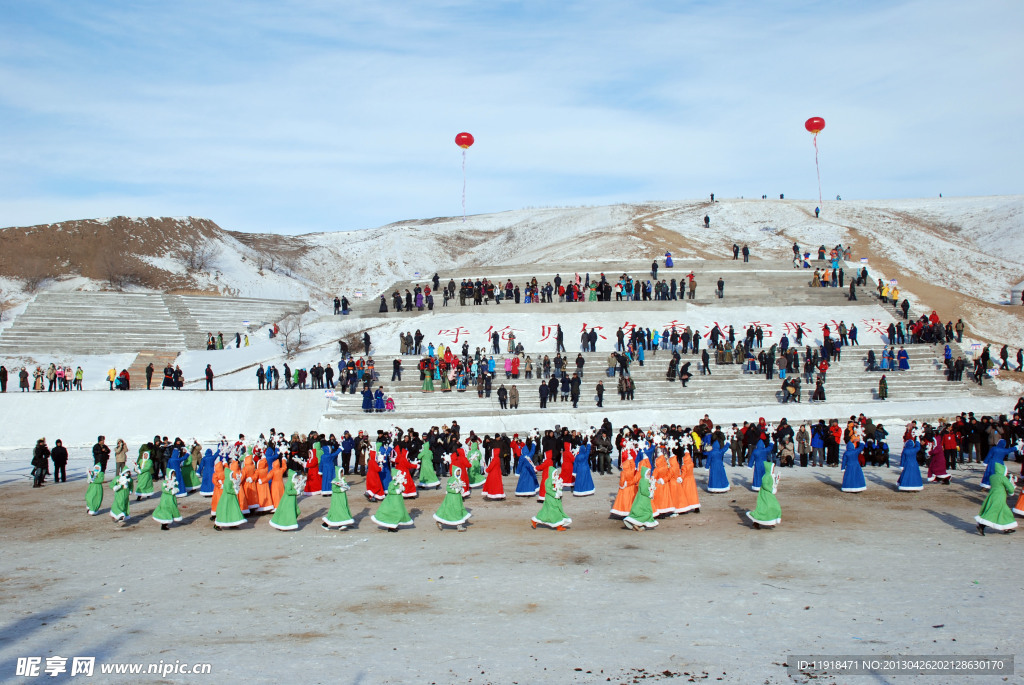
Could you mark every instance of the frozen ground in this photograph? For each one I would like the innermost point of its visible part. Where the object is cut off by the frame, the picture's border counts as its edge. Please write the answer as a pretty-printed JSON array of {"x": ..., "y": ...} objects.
[{"x": 701, "y": 598}]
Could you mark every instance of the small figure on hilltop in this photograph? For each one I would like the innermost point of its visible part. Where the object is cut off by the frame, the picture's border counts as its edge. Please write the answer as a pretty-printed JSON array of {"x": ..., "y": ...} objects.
[{"x": 707, "y": 221}]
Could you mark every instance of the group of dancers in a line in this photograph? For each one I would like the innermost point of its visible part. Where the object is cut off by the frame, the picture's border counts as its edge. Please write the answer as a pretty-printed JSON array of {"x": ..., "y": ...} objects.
[{"x": 656, "y": 481}]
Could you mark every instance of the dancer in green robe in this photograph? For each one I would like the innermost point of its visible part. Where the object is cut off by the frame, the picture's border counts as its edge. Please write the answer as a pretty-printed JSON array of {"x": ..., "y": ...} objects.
[
  {"x": 286, "y": 516},
  {"x": 122, "y": 487},
  {"x": 190, "y": 479},
  {"x": 551, "y": 513},
  {"x": 452, "y": 511},
  {"x": 144, "y": 485},
  {"x": 995, "y": 512},
  {"x": 428, "y": 478},
  {"x": 229, "y": 514},
  {"x": 94, "y": 493},
  {"x": 338, "y": 515},
  {"x": 641, "y": 514},
  {"x": 166, "y": 511},
  {"x": 391, "y": 513},
  {"x": 476, "y": 471},
  {"x": 767, "y": 512}
]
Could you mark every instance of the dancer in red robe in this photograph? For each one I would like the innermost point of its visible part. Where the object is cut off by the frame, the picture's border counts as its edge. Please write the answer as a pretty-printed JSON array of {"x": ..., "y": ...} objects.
[
  {"x": 374, "y": 487},
  {"x": 403, "y": 464},
  {"x": 493, "y": 486},
  {"x": 459, "y": 461}
]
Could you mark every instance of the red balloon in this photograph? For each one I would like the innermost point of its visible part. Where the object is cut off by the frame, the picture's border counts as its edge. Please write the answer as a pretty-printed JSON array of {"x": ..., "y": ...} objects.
[
  {"x": 464, "y": 140},
  {"x": 814, "y": 125}
]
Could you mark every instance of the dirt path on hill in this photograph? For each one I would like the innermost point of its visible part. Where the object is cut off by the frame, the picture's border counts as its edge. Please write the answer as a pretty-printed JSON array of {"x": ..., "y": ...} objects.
[{"x": 983, "y": 319}]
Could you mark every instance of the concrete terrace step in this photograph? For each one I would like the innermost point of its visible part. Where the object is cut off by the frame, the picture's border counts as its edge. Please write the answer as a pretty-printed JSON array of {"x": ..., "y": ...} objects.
[{"x": 100, "y": 322}]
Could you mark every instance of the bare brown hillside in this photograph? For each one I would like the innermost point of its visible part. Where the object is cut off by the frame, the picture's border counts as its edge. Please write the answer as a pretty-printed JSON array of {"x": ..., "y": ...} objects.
[{"x": 110, "y": 251}]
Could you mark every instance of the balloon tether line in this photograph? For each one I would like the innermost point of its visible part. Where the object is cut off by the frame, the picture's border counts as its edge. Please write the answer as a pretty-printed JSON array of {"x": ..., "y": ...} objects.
[
  {"x": 464, "y": 186},
  {"x": 817, "y": 168}
]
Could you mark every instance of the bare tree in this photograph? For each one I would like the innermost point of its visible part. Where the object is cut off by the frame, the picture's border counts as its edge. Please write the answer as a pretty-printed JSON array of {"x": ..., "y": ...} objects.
[
  {"x": 198, "y": 255},
  {"x": 290, "y": 328},
  {"x": 119, "y": 273}
]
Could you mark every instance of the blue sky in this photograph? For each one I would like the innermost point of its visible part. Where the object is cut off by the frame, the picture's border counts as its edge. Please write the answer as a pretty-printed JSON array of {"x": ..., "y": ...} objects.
[{"x": 291, "y": 116}]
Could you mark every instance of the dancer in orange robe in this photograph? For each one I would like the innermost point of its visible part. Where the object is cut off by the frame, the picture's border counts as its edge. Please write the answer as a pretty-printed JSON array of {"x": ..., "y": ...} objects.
[
  {"x": 218, "y": 487},
  {"x": 691, "y": 501},
  {"x": 628, "y": 483},
  {"x": 248, "y": 486},
  {"x": 494, "y": 488},
  {"x": 236, "y": 468},
  {"x": 266, "y": 502},
  {"x": 661, "y": 503},
  {"x": 277, "y": 475},
  {"x": 674, "y": 485}
]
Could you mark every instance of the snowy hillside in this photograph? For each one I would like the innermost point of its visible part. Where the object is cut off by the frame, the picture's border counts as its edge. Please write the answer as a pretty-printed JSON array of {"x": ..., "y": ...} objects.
[{"x": 962, "y": 246}]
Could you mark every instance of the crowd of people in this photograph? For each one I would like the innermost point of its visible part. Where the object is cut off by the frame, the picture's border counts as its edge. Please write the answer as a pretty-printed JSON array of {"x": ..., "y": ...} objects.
[
  {"x": 55, "y": 378},
  {"x": 266, "y": 476}
]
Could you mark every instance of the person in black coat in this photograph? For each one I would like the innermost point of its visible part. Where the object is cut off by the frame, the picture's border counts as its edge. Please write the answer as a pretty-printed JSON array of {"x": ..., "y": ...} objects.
[
  {"x": 366, "y": 342},
  {"x": 40, "y": 463},
  {"x": 543, "y": 395},
  {"x": 100, "y": 453},
  {"x": 553, "y": 389},
  {"x": 59, "y": 455}
]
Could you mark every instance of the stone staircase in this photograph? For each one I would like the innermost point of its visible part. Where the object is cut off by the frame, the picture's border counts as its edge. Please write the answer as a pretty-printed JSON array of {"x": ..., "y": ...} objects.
[
  {"x": 85, "y": 322},
  {"x": 159, "y": 359},
  {"x": 764, "y": 282},
  {"x": 727, "y": 386}
]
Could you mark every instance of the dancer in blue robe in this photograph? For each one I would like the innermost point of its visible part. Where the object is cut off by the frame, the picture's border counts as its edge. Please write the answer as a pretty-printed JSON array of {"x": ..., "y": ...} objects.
[
  {"x": 328, "y": 460},
  {"x": 996, "y": 455},
  {"x": 206, "y": 473},
  {"x": 583, "y": 484},
  {"x": 717, "y": 480},
  {"x": 384, "y": 458},
  {"x": 853, "y": 474},
  {"x": 174, "y": 464},
  {"x": 528, "y": 486},
  {"x": 758, "y": 456},
  {"x": 910, "y": 476}
]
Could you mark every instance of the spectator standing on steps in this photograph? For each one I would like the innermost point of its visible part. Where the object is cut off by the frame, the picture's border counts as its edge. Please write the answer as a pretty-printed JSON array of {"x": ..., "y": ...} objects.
[
  {"x": 149, "y": 375},
  {"x": 600, "y": 393},
  {"x": 721, "y": 288},
  {"x": 513, "y": 398},
  {"x": 209, "y": 377},
  {"x": 654, "y": 270},
  {"x": 502, "y": 397},
  {"x": 366, "y": 342},
  {"x": 746, "y": 253}
]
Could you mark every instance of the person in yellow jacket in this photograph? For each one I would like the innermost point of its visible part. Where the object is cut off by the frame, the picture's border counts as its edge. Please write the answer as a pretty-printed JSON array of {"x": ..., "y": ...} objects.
[{"x": 111, "y": 377}]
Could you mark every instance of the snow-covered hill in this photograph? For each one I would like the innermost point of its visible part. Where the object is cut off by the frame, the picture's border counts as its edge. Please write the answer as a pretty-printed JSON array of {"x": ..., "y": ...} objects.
[{"x": 961, "y": 246}]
